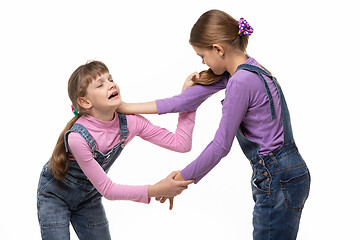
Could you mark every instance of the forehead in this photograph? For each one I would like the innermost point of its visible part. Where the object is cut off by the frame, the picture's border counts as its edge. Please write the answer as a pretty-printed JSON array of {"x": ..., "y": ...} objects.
[
  {"x": 102, "y": 76},
  {"x": 201, "y": 51},
  {"x": 198, "y": 50}
]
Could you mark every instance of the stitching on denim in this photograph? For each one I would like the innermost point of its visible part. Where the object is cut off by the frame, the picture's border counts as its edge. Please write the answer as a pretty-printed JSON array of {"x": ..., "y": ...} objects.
[
  {"x": 289, "y": 168},
  {"x": 46, "y": 184},
  {"x": 282, "y": 157},
  {"x": 283, "y": 187},
  {"x": 284, "y": 145},
  {"x": 97, "y": 225}
]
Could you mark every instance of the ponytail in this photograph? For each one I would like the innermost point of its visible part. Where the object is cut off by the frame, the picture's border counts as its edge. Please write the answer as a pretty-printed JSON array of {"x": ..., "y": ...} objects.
[
  {"x": 207, "y": 77},
  {"x": 59, "y": 161},
  {"x": 77, "y": 87}
]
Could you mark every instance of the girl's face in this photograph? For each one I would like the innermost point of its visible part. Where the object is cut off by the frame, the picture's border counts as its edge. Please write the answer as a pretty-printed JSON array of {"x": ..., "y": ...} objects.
[
  {"x": 212, "y": 58},
  {"x": 103, "y": 95}
]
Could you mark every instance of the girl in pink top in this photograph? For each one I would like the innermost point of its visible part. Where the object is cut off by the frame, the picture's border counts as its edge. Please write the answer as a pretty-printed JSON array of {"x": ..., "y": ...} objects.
[{"x": 74, "y": 180}]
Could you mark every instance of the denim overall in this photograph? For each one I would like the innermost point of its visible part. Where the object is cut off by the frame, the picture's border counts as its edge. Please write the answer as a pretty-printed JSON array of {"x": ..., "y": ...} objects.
[
  {"x": 280, "y": 180},
  {"x": 74, "y": 199}
]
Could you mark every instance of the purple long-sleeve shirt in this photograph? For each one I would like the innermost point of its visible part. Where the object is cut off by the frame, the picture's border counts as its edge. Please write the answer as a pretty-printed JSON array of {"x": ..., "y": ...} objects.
[{"x": 246, "y": 103}]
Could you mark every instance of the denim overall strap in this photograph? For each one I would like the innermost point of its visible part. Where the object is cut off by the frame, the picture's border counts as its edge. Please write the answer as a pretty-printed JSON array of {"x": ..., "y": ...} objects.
[
  {"x": 250, "y": 148},
  {"x": 124, "y": 131},
  {"x": 84, "y": 133},
  {"x": 105, "y": 160},
  {"x": 288, "y": 135},
  {"x": 261, "y": 72}
]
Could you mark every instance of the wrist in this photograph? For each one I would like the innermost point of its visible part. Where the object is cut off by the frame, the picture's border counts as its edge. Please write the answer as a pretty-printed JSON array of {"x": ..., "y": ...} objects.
[
  {"x": 121, "y": 108},
  {"x": 179, "y": 177},
  {"x": 152, "y": 191}
]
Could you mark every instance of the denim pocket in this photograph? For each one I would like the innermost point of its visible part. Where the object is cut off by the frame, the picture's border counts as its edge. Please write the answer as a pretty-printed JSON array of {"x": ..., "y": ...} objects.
[
  {"x": 262, "y": 184},
  {"x": 296, "y": 191}
]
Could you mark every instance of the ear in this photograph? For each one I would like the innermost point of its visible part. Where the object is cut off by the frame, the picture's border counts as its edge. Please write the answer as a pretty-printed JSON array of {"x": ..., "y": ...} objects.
[
  {"x": 219, "y": 50},
  {"x": 84, "y": 103}
]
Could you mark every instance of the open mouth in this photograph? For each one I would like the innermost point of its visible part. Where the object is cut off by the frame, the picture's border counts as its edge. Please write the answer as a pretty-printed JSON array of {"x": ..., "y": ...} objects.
[{"x": 114, "y": 94}]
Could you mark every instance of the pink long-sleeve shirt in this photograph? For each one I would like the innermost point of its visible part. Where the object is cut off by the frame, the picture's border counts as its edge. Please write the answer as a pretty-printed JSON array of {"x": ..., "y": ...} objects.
[{"x": 106, "y": 136}]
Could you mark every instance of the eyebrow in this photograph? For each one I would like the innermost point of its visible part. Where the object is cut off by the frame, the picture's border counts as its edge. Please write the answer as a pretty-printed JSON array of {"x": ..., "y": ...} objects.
[{"x": 102, "y": 77}]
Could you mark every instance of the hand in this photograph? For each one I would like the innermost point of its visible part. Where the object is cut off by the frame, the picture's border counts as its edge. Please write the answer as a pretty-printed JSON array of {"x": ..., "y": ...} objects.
[
  {"x": 178, "y": 177},
  {"x": 122, "y": 108},
  {"x": 168, "y": 187},
  {"x": 163, "y": 199},
  {"x": 188, "y": 82}
]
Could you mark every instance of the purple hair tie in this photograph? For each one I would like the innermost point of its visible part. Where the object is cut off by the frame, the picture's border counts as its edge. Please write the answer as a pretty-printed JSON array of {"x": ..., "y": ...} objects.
[{"x": 244, "y": 27}]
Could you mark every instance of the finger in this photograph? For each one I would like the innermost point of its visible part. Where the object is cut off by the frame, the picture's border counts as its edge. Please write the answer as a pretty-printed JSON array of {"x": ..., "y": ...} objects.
[
  {"x": 197, "y": 75},
  {"x": 173, "y": 174},
  {"x": 190, "y": 76},
  {"x": 157, "y": 198},
  {"x": 171, "y": 200},
  {"x": 163, "y": 199},
  {"x": 185, "y": 183}
]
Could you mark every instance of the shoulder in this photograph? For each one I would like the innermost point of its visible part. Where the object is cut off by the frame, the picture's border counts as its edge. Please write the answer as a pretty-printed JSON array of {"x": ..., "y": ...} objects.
[
  {"x": 136, "y": 123},
  {"x": 76, "y": 136},
  {"x": 76, "y": 142},
  {"x": 245, "y": 78},
  {"x": 242, "y": 80},
  {"x": 134, "y": 118}
]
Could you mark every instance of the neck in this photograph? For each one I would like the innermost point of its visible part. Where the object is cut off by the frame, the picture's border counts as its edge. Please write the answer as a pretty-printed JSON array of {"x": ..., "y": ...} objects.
[
  {"x": 235, "y": 59},
  {"x": 105, "y": 116}
]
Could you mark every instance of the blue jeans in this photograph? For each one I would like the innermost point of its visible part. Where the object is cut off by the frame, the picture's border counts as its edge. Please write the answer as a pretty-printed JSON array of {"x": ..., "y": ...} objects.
[
  {"x": 74, "y": 199},
  {"x": 281, "y": 179},
  {"x": 280, "y": 187},
  {"x": 62, "y": 202}
]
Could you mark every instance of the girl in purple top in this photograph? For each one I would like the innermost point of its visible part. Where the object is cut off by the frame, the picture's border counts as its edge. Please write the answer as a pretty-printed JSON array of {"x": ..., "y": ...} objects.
[{"x": 254, "y": 110}]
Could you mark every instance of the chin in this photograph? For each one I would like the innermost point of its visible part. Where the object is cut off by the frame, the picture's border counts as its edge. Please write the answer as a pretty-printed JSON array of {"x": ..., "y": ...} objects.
[{"x": 218, "y": 73}]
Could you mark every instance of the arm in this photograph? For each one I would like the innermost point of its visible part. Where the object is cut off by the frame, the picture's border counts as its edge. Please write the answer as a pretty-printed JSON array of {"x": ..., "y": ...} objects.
[
  {"x": 180, "y": 141},
  {"x": 137, "y": 108},
  {"x": 234, "y": 109},
  {"x": 97, "y": 176},
  {"x": 150, "y": 107},
  {"x": 189, "y": 100},
  {"x": 167, "y": 187}
]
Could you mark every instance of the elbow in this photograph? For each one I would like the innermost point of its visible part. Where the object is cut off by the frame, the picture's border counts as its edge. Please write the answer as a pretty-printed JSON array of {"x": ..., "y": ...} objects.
[
  {"x": 107, "y": 196},
  {"x": 222, "y": 150},
  {"x": 186, "y": 149}
]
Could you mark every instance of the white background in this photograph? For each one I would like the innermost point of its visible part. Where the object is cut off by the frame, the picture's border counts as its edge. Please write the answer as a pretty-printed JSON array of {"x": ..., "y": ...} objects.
[{"x": 310, "y": 46}]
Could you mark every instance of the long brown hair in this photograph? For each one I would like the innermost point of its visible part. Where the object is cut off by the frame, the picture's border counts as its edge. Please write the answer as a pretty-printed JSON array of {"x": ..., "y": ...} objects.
[
  {"x": 216, "y": 27},
  {"x": 77, "y": 87}
]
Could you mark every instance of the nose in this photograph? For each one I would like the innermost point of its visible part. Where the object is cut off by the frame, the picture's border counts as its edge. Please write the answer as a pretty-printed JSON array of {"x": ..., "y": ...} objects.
[{"x": 111, "y": 85}]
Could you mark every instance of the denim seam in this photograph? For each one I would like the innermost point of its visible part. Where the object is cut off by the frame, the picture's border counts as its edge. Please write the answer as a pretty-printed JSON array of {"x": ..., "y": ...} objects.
[
  {"x": 97, "y": 225},
  {"x": 289, "y": 168},
  {"x": 284, "y": 145},
  {"x": 45, "y": 185},
  {"x": 282, "y": 157}
]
